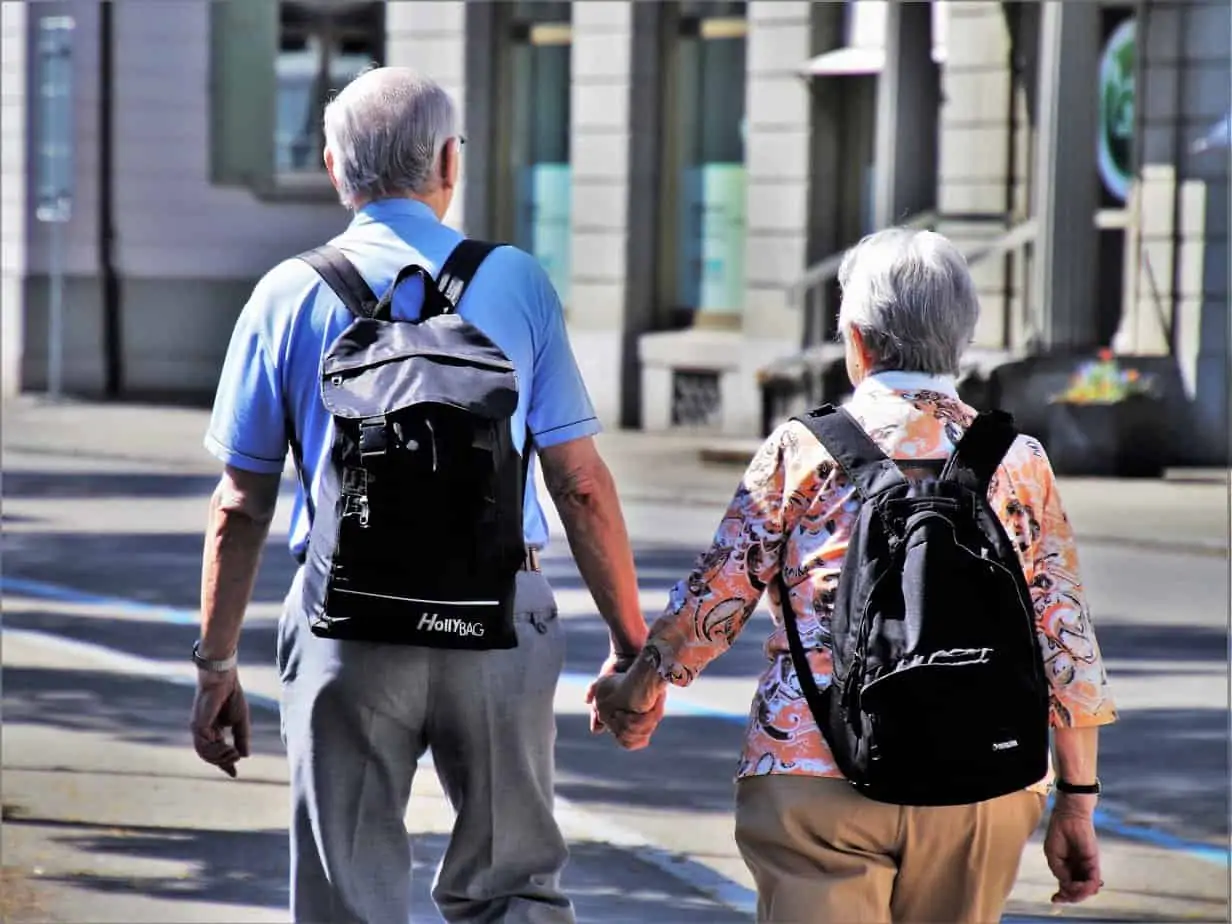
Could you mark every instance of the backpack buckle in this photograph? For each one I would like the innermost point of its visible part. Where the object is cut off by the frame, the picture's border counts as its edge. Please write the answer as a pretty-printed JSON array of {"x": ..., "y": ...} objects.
[{"x": 373, "y": 438}]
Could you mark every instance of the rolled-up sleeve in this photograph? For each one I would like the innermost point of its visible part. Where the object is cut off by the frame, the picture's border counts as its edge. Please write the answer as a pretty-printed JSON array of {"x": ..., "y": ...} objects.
[
  {"x": 1030, "y": 504},
  {"x": 709, "y": 608},
  {"x": 246, "y": 426},
  {"x": 560, "y": 406}
]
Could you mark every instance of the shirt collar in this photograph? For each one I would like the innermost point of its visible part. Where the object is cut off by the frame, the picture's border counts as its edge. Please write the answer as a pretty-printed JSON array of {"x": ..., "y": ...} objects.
[
  {"x": 883, "y": 383},
  {"x": 392, "y": 209}
]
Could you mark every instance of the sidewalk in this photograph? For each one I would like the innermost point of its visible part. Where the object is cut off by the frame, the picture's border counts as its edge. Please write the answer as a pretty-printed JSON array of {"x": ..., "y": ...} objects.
[
  {"x": 108, "y": 815},
  {"x": 1182, "y": 515}
]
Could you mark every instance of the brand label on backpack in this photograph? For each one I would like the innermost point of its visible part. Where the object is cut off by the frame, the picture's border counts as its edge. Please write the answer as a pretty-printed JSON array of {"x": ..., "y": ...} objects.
[{"x": 434, "y": 622}]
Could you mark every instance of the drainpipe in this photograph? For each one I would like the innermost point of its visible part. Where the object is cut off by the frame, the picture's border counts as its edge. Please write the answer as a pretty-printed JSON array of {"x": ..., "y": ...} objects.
[
  {"x": 113, "y": 354},
  {"x": 1178, "y": 142}
]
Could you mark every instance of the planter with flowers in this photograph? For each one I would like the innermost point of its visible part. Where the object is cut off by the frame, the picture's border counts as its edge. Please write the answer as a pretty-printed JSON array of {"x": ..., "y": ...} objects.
[{"x": 1107, "y": 422}]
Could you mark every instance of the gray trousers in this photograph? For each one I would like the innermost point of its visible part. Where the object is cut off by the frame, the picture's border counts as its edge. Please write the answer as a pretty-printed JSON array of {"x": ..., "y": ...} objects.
[{"x": 357, "y": 717}]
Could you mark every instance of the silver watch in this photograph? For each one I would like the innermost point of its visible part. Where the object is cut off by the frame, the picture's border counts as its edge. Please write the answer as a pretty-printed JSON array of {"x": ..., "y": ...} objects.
[{"x": 217, "y": 667}]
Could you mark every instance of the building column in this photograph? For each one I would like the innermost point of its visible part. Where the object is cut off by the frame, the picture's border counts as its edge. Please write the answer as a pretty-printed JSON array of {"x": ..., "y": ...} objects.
[
  {"x": 432, "y": 38},
  {"x": 599, "y": 154},
  {"x": 908, "y": 110},
  {"x": 13, "y": 191},
  {"x": 778, "y": 113},
  {"x": 1066, "y": 189}
]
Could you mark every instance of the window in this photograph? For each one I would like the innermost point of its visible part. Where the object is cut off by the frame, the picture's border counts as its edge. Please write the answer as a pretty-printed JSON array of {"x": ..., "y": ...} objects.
[
  {"x": 274, "y": 66},
  {"x": 534, "y": 183},
  {"x": 702, "y": 215}
]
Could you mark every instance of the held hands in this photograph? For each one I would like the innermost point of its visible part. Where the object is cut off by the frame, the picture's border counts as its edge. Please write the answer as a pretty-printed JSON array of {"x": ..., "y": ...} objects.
[
  {"x": 630, "y": 706},
  {"x": 1072, "y": 851}
]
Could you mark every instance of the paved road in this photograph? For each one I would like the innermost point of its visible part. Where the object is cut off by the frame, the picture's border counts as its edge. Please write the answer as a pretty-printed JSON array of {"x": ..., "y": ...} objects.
[{"x": 118, "y": 530}]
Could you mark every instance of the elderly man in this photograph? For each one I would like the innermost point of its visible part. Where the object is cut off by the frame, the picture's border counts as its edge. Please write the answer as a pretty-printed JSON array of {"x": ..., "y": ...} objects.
[
  {"x": 819, "y": 848},
  {"x": 357, "y": 716}
]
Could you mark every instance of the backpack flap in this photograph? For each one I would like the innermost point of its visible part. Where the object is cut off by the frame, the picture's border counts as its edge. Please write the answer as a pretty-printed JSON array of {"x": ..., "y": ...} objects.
[{"x": 376, "y": 368}]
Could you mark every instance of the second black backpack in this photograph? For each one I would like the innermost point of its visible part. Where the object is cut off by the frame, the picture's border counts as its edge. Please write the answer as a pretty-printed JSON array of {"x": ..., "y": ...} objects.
[
  {"x": 938, "y": 695},
  {"x": 417, "y": 537}
]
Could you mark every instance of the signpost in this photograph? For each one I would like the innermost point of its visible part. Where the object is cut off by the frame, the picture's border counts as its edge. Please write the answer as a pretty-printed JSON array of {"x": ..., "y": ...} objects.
[{"x": 54, "y": 168}]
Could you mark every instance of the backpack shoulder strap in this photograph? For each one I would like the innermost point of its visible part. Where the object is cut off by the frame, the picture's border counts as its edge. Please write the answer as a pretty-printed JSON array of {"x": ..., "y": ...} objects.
[
  {"x": 341, "y": 275},
  {"x": 862, "y": 460},
  {"x": 460, "y": 268},
  {"x": 452, "y": 280},
  {"x": 981, "y": 450}
]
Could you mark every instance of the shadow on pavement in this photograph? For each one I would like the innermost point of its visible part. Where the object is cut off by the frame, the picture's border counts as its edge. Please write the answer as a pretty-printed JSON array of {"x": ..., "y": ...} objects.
[
  {"x": 29, "y": 484},
  {"x": 149, "y": 638},
  {"x": 228, "y": 867},
  {"x": 250, "y": 868},
  {"x": 1173, "y": 764},
  {"x": 132, "y": 709},
  {"x": 162, "y": 569}
]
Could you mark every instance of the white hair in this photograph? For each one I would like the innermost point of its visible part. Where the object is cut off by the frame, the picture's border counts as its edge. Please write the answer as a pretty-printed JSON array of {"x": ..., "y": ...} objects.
[
  {"x": 386, "y": 131},
  {"x": 912, "y": 298}
]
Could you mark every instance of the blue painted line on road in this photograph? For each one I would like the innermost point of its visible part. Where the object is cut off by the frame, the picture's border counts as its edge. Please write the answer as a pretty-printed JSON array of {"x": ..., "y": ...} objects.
[
  {"x": 44, "y": 591},
  {"x": 1104, "y": 821}
]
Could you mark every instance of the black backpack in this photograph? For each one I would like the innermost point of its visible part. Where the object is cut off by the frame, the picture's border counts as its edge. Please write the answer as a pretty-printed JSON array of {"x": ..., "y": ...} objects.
[
  {"x": 938, "y": 694},
  {"x": 418, "y": 536}
]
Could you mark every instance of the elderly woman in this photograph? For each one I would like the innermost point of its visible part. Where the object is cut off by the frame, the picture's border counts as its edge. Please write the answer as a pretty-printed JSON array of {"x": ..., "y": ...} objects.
[{"x": 818, "y": 849}]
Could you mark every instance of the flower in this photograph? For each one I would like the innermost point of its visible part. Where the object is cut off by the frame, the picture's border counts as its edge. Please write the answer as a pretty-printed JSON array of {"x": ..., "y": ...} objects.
[{"x": 1101, "y": 381}]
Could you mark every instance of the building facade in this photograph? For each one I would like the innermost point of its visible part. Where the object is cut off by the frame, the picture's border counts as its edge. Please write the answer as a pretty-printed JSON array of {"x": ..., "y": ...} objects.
[{"x": 686, "y": 172}]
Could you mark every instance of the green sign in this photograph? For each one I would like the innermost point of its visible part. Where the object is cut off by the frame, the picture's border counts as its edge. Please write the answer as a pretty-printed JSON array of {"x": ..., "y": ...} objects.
[{"x": 1116, "y": 110}]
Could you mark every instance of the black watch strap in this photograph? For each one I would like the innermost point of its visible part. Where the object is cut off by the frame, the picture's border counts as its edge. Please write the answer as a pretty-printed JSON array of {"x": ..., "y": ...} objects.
[{"x": 1076, "y": 789}]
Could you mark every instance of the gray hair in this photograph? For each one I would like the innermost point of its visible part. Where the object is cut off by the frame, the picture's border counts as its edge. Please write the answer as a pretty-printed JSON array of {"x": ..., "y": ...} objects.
[
  {"x": 912, "y": 298},
  {"x": 386, "y": 130}
]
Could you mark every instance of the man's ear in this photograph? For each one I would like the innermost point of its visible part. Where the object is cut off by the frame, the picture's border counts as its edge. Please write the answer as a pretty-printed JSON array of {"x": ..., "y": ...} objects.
[
  {"x": 449, "y": 164},
  {"x": 329, "y": 167}
]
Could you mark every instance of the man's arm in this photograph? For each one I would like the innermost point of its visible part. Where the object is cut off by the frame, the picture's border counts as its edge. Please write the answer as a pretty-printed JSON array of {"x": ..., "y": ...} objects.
[
  {"x": 241, "y": 510},
  {"x": 585, "y": 495}
]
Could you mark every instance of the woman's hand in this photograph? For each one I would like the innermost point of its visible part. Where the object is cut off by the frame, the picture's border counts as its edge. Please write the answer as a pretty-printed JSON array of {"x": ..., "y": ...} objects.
[{"x": 630, "y": 705}]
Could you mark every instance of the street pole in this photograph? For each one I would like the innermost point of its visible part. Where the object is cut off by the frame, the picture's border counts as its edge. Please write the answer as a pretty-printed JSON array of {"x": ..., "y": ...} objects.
[
  {"x": 55, "y": 174},
  {"x": 55, "y": 317}
]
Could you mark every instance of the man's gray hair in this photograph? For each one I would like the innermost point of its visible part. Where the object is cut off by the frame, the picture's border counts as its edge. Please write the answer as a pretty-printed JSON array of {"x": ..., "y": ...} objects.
[
  {"x": 912, "y": 298},
  {"x": 386, "y": 130}
]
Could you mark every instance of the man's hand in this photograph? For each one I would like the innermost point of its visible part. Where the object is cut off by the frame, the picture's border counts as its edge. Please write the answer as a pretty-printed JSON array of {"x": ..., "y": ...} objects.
[
  {"x": 615, "y": 664},
  {"x": 630, "y": 709},
  {"x": 220, "y": 705},
  {"x": 1072, "y": 852}
]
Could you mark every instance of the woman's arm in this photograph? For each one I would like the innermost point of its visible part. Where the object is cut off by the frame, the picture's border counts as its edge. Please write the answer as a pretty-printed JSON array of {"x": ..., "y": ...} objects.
[{"x": 709, "y": 608}]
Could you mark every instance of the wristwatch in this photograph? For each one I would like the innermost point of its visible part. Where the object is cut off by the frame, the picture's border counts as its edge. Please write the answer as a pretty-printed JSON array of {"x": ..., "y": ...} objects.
[
  {"x": 1075, "y": 789},
  {"x": 217, "y": 667}
]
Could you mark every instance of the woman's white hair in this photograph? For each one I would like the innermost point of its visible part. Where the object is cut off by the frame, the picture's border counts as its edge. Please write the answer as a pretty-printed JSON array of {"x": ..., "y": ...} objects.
[
  {"x": 912, "y": 298},
  {"x": 386, "y": 131}
]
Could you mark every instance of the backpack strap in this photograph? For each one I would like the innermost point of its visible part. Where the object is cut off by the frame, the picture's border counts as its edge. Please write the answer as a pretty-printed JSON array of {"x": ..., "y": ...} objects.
[
  {"x": 461, "y": 267},
  {"x": 341, "y": 275},
  {"x": 866, "y": 466},
  {"x": 980, "y": 451}
]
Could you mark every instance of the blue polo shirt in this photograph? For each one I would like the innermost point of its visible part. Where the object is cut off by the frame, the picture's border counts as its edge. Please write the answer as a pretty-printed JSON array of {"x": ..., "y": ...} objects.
[{"x": 274, "y": 359}]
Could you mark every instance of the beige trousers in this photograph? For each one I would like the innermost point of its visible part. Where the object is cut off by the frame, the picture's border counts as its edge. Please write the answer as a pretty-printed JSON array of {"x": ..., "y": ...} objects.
[{"x": 821, "y": 853}]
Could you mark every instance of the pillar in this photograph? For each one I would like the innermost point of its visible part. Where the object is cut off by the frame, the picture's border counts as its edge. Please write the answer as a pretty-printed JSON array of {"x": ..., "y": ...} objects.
[
  {"x": 1067, "y": 192},
  {"x": 432, "y": 38},
  {"x": 908, "y": 100},
  {"x": 599, "y": 151}
]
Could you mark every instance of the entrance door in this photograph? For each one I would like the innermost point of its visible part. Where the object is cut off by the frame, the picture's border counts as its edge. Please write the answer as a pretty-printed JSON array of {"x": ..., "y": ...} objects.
[
  {"x": 702, "y": 201},
  {"x": 534, "y": 181}
]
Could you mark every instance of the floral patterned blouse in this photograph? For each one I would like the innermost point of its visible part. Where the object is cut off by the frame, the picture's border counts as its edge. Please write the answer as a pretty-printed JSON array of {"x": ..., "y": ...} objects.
[{"x": 793, "y": 513}]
